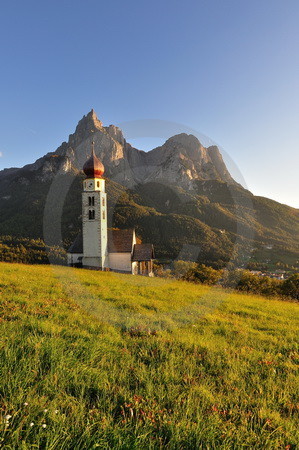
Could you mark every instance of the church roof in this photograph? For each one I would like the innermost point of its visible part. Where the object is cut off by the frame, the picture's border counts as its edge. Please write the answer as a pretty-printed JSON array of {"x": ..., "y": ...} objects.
[
  {"x": 120, "y": 241},
  {"x": 143, "y": 252},
  {"x": 77, "y": 245},
  {"x": 93, "y": 168}
]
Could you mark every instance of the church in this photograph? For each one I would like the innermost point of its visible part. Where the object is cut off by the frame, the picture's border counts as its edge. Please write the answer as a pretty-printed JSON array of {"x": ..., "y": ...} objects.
[{"x": 97, "y": 247}]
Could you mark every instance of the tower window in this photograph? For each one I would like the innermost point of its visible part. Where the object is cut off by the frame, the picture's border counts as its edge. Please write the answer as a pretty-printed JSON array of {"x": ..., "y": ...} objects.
[
  {"x": 98, "y": 184},
  {"x": 103, "y": 215},
  {"x": 90, "y": 201},
  {"x": 103, "y": 201},
  {"x": 91, "y": 214}
]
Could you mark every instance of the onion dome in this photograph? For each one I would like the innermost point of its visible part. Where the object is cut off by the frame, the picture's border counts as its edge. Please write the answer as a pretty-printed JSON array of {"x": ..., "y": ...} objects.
[{"x": 93, "y": 168}]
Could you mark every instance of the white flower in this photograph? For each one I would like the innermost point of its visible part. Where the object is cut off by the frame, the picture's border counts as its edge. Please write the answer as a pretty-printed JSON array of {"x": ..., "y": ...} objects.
[
  {"x": 31, "y": 424},
  {"x": 56, "y": 411},
  {"x": 45, "y": 410},
  {"x": 25, "y": 404},
  {"x": 44, "y": 425},
  {"x": 8, "y": 417}
]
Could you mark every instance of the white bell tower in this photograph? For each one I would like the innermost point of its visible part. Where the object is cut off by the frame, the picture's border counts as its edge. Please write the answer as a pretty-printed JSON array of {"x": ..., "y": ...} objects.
[{"x": 94, "y": 215}]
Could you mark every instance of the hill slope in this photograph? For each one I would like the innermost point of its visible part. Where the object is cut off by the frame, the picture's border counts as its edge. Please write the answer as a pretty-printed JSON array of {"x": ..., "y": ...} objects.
[{"x": 91, "y": 359}]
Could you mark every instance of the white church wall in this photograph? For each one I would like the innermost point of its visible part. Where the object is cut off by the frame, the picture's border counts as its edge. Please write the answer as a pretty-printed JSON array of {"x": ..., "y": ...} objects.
[
  {"x": 73, "y": 258},
  {"x": 135, "y": 268},
  {"x": 91, "y": 241},
  {"x": 120, "y": 261}
]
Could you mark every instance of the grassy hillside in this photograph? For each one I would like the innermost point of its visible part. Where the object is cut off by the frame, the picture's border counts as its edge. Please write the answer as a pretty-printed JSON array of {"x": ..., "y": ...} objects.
[{"x": 101, "y": 360}]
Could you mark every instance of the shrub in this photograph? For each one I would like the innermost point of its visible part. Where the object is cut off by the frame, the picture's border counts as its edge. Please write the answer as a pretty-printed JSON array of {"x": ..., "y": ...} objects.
[
  {"x": 180, "y": 268},
  {"x": 290, "y": 286},
  {"x": 162, "y": 272},
  {"x": 245, "y": 281},
  {"x": 203, "y": 274}
]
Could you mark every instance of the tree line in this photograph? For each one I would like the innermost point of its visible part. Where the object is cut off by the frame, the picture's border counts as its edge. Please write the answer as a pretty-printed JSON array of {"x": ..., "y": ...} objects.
[
  {"x": 30, "y": 251},
  {"x": 239, "y": 279}
]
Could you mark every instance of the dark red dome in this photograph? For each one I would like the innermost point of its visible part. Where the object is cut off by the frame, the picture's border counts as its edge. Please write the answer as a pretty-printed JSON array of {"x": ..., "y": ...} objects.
[{"x": 93, "y": 168}]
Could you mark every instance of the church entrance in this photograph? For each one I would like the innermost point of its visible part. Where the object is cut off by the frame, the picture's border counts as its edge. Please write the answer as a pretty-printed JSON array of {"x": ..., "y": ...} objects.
[{"x": 145, "y": 267}]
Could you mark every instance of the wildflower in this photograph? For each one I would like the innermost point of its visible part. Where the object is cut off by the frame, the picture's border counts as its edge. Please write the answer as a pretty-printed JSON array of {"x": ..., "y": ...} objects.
[
  {"x": 8, "y": 417},
  {"x": 44, "y": 425},
  {"x": 25, "y": 404},
  {"x": 56, "y": 411},
  {"x": 31, "y": 424},
  {"x": 267, "y": 363},
  {"x": 45, "y": 410}
]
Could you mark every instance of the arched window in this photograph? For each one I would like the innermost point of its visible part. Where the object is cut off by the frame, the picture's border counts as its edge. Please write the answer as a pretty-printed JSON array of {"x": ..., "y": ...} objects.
[
  {"x": 90, "y": 201},
  {"x": 91, "y": 214}
]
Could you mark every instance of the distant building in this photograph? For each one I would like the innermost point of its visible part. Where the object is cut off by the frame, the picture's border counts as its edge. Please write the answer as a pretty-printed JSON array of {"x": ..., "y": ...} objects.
[{"x": 97, "y": 247}]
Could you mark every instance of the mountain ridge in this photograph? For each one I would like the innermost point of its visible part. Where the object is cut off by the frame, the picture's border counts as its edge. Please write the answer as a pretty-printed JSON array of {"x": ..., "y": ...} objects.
[
  {"x": 181, "y": 159},
  {"x": 177, "y": 194}
]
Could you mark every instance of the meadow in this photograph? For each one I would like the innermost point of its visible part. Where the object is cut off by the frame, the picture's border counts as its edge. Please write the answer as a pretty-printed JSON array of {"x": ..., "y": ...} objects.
[{"x": 101, "y": 360}]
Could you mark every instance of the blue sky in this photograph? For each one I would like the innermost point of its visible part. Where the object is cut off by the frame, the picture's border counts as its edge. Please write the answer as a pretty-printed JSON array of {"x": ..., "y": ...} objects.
[{"x": 227, "y": 68}]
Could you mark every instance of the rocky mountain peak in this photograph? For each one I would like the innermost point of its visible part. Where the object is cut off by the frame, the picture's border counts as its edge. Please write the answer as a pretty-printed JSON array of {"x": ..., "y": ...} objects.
[
  {"x": 92, "y": 118},
  {"x": 186, "y": 146},
  {"x": 185, "y": 140},
  {"x": 86, "y": 126},
  {"x": 116, "y": 133}
]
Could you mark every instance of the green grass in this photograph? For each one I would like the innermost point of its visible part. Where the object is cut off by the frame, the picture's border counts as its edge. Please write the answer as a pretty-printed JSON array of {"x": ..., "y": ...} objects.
[{"x": 115, "y": 361}]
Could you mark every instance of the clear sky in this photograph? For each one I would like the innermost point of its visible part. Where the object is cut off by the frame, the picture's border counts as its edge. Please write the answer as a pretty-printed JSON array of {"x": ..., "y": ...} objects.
[{"x": 227, "y": 68}]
